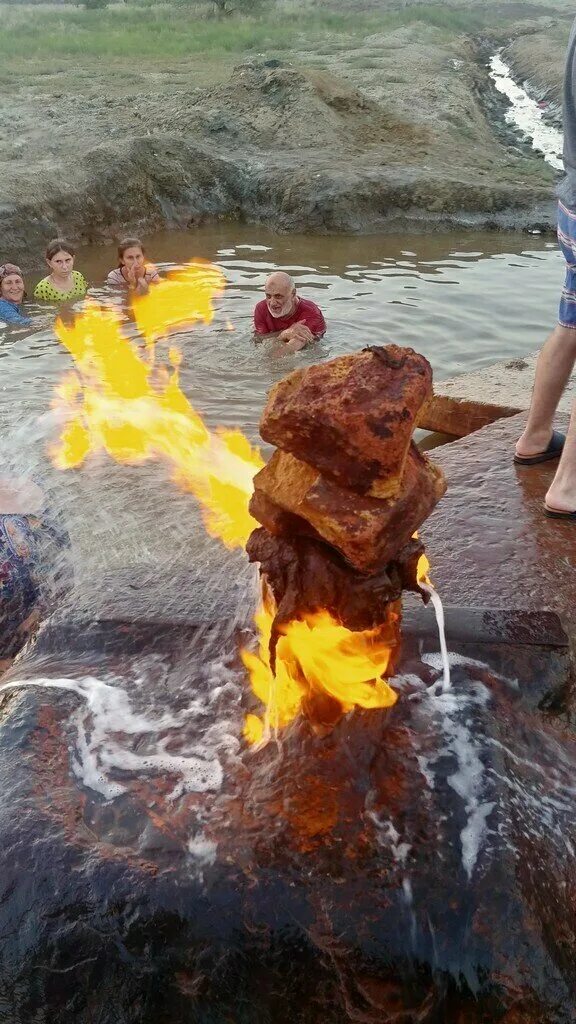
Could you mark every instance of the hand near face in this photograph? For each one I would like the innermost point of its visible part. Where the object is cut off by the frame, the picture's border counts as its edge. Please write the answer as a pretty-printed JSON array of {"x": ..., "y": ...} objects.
[
  {"x": 141, "y": 287},
  {"x": 130, "y": 275}
]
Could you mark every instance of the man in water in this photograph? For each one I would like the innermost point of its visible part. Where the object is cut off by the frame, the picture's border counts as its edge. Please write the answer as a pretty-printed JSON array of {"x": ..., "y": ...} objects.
[
  {"x": 297, "y": 320},
  {"x": 540, "y": 442}
]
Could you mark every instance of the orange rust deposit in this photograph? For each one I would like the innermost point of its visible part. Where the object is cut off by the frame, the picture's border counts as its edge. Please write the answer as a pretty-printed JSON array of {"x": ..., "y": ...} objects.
[
  {"x": 353, "y": 417},
  {"x": 339, "y": 503},
  {"x": 333, "y": 571}
]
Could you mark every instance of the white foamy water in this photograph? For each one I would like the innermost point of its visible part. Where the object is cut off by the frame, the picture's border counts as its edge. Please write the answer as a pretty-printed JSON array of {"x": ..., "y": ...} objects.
[
  {"x": 439, "y": 610},
  {"x": 525, "y": 115},
  {"x": 107, "y": 726},
  {"x": 454, "y": 714}
]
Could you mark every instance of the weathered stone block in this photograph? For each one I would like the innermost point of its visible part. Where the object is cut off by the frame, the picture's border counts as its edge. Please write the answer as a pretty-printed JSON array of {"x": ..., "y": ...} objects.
[
  {"x": 306, "y": 575},
  {"x": 352, "y": 418},
  {"x": 367, "y": 531}
]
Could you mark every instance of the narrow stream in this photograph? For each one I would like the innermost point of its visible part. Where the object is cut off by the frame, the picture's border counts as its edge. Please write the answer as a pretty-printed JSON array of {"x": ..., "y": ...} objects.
[{"x": 526, "y": 115}]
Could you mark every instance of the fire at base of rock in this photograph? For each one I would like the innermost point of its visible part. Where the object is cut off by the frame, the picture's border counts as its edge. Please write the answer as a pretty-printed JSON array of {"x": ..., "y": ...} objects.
[
  {"x": 340, "y": 500},
  {"x": 337, "y": 544}
]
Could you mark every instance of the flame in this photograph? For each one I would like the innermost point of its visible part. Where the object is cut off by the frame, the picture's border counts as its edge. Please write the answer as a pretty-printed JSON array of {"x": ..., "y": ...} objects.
[
  {"x": 183, "y": 298},
  {"x": 315, "y": 657},
  {"x": 422, "y": 567},
  {"x": 422, "y": 571},
  {"x": 116, "y": 400},
  {"x": 119, "y": 399}
]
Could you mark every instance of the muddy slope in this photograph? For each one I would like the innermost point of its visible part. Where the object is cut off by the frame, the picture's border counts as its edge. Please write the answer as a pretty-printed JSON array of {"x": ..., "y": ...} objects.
[
  {"x": 336, "y": 148},
  {"x": 538, "y": 58}
]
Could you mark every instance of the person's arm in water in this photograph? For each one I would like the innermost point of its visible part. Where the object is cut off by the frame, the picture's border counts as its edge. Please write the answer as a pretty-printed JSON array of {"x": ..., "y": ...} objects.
[
  {"x": 10, "y": 314},
  {"x": 311, "y": 326},
  {"x": 260, "y": 325},
  {"x": 296, "y": 336},
  {"x": 310, "y": 323}
]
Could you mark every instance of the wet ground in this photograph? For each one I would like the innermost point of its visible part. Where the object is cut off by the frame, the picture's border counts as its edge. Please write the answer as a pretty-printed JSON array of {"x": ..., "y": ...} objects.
[{"x": 489, "y": 542}]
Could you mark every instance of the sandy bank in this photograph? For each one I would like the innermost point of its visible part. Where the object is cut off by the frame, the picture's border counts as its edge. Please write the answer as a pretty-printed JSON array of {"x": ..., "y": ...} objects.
[{"x": 398, "y": 132}]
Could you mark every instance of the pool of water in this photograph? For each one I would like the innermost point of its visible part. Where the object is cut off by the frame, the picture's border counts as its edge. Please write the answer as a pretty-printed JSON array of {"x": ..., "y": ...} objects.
[{"x": 464, "y": 299}]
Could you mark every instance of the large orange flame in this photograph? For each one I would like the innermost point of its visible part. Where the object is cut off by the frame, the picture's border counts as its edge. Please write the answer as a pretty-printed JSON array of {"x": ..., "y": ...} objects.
[
  {"x": 117, "y": 401},
  {"x": 318, "y": 656},
  {"x": 121, "y": 400}
]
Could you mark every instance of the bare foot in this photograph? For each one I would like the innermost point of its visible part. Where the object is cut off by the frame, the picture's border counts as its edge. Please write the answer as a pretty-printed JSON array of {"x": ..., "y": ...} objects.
[
  {"x": 560, "y": 499},
  {"x": 533, "y": 443}
]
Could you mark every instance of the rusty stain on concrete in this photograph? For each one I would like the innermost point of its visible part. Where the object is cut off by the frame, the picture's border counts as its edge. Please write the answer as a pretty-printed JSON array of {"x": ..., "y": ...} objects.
[{"x": 470, "y": 401}]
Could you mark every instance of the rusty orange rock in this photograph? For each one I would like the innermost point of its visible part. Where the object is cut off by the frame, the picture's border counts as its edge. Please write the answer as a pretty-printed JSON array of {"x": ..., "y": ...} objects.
[
  {"x": 367, "y": 531},
  {"x": 352, "y": 417}
]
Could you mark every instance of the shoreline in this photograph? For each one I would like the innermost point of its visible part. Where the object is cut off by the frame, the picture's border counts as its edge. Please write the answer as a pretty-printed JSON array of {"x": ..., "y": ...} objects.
[{"x": 403, "y": 131}]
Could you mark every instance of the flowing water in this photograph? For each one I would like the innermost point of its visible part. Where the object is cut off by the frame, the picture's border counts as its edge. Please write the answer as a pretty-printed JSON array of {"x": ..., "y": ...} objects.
[{"x": 527, "y": 115}]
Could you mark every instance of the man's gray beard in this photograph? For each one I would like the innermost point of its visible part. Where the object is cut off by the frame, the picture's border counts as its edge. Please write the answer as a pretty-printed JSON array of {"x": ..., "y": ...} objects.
[{"x": 283, "y": 312}]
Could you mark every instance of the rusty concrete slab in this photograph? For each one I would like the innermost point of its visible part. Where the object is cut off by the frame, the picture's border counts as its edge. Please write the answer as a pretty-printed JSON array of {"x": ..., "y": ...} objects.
[
  {"x": 464, "y": 625},
  {"x": 489, "y": 543},
  {"x": 470, "y": 401}
]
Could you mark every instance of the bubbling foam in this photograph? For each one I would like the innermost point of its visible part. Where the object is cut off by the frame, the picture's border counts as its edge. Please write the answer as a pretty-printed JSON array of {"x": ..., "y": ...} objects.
[{"x": 107, "y": 722}]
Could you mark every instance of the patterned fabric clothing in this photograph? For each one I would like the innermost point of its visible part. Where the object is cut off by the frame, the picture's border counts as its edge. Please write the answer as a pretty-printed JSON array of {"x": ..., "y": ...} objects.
[
  {"x": 11, "y": 313},
  {"x": 567, "y": 242},
  {"x": 46, "y": 290},
  {"x": 34, "y": 571}
]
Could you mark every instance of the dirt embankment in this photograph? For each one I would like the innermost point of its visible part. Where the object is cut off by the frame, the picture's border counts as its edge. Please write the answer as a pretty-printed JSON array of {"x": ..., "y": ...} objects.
[
  {"x": 393, "y": 133},
  {"x": 537, "y": 57}
]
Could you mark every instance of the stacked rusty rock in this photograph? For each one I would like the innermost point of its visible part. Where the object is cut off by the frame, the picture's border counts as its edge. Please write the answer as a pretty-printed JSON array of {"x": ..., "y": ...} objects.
[{"x": 342, "y": 497}]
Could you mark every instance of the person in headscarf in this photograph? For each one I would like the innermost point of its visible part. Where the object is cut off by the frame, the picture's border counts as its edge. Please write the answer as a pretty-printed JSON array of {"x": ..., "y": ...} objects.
[{"x": 12, "y": 294}]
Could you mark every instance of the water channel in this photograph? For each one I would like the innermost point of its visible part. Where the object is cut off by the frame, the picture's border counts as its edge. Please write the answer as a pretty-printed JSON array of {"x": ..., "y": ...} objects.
[{"x": 527, "y": 115}]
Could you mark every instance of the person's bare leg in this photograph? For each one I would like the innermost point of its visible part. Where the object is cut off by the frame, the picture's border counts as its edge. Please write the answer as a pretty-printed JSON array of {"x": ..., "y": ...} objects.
[
  {"x": 561, "y": 495},
  {"x": 554, "y": 366}
]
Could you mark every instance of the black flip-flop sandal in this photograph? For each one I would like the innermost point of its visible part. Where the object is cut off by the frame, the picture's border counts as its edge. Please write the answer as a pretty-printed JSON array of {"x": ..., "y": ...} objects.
[
  {"x": 553, "y": 451},
  {"x": 553, "y": 514}
]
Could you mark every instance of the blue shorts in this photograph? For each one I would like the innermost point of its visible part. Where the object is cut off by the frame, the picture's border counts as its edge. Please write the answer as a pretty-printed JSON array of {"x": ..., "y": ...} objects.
[{"x": 567, "y": 242}]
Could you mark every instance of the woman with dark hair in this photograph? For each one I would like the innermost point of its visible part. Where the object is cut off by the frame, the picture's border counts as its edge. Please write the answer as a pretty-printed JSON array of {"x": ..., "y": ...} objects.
[
  {"x": 133, "y": 272},
  {"x": 12, "y": 293},
  {"x": 63, "y": 283}
]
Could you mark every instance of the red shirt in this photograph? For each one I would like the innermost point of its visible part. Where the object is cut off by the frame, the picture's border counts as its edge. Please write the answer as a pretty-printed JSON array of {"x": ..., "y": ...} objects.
[{"x": 306, "y": 312}]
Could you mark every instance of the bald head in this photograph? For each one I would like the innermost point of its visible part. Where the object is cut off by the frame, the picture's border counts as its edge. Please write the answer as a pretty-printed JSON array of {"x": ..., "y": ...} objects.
[{"x": 280, "y": 294}]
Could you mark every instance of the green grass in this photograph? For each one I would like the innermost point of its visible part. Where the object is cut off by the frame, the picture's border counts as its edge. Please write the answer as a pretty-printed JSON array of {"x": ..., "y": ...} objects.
[{"x": 165, "y": 31}]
